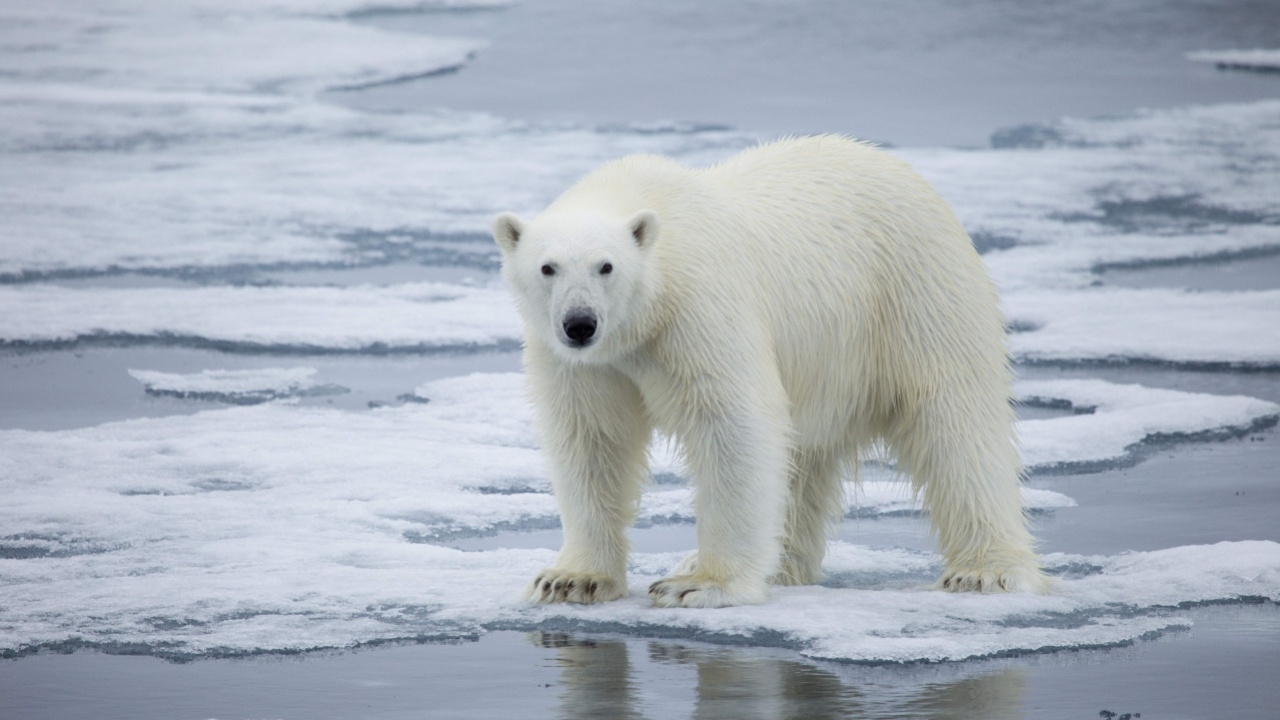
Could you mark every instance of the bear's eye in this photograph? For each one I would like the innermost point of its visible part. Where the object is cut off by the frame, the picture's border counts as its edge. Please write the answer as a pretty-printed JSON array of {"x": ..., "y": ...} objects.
[
  {"x": 606, "y": 268},
  {"x": 548, "y": 270}
]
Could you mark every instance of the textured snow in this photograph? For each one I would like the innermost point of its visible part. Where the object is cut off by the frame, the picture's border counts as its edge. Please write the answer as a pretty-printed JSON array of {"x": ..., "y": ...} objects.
[
  {"x": 1115, "y": 418},
  {"x": 422, "y": 316},
  {"x": 258, "y": 180},
  {"x": 117, "y": 157},
  {"x": 233, "y": 47},
  {"x": 248, "y": 386},
  {"x": 277, "y": 527},
  {"x": 1155, "y": 325}
]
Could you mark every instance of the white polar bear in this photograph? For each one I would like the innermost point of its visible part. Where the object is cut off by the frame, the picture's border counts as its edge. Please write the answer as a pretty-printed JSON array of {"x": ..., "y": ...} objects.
[{"x": 776, "y": 314}]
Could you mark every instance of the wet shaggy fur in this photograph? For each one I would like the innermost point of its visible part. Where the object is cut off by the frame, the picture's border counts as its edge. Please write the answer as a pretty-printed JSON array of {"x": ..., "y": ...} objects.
[{"x": 776, "y": 314}]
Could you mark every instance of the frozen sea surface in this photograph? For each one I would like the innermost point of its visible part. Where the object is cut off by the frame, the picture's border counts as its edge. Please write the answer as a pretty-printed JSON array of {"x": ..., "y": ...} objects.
[
  {"x": 259, "y": 391},
  {"x": 1256, "y": 60},
  {"x": 154, "y": 533}
]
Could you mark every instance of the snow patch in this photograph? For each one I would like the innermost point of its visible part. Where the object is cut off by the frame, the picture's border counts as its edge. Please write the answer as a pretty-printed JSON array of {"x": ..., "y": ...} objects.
[
  {"x": 1166, "y": 326},
  {"x": 243, "y": 387},
  {"x": 415, "y": 316},
  {"x": 1123, "y": 417},
  {"x": 1257, "y": 59}
]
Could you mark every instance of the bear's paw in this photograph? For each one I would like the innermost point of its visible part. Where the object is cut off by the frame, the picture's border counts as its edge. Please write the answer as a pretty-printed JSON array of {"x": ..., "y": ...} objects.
[
  {"x": 988, "y": 579},
  {"x": 692, "y": 591},
  {"x": 555, "y": 585}
]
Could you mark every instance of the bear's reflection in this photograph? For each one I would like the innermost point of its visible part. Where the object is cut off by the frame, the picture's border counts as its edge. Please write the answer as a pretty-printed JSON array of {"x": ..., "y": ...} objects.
[{"x": 598, "y": 680}]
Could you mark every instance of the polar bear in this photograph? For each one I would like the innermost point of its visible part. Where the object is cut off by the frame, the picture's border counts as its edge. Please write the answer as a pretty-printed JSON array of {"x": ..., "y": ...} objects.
[{"x": 774, "y": 314}]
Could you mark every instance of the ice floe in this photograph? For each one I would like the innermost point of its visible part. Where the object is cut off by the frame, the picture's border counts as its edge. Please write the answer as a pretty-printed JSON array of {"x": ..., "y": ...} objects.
[
  {"x": 1257, "y": 59},
  {"x": 1113, "y": 420},
  {"x": 118, "y": 157},
  {"x": 276, "y": 528},
  {"x": 1198, "y": 329},
  {"x": 415, "y": 316},
  {"x": 241, "y": 387}
]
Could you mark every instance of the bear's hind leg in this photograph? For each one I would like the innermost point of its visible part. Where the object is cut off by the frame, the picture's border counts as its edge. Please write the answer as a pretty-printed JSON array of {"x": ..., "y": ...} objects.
[
  {"x": 815, "y": 502},
  {"x": 962, "y": 455}
]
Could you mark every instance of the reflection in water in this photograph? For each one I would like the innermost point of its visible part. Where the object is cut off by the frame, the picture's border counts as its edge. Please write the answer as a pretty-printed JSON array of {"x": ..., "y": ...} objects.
[
  {"x": 596, "y": 677},
  {"x": 598, "y": 681},
  {"x": 998, "y": 695},
  {"x": 739, "y": 684}
]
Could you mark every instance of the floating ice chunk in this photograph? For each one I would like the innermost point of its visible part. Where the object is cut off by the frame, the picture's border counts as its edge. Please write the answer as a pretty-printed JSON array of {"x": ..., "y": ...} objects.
[
  {"x": 416, "y": 316},
  {"x": 870, "y": 498},
  {"x": 241, "y": 387},
  {"x": 1080, "y": 193},
  {"x": 1125, "y": 599},
  {"x": 1120, "y": 417},
  {"x": 1258, "y": 59},
  {"x": 298, "y": 598},
  {"x": 1203, "y": 329},
  {"x": 279, "y": 527}
]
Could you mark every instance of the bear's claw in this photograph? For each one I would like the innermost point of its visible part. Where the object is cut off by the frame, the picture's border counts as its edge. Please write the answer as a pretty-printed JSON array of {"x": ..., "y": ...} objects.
[
  {"x": 691, "y": 592},
  {"x": 992, "y": 580},
  {"x": 554, "y": 585}
]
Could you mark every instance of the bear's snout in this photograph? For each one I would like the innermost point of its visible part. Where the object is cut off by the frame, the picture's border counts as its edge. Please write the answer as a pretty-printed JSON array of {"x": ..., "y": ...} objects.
[{"x": 580, "y": 327}]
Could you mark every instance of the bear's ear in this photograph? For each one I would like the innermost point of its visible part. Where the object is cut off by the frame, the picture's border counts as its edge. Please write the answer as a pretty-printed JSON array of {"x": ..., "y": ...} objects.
[
  {"x": 644, "y": 227},
  {"x": 506, "y": 231}
]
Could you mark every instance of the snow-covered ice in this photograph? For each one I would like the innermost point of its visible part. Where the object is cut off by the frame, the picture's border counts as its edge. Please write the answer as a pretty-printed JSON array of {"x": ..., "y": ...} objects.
[
  {"x": 242, "y": 387},
  {"x": 413, "y": 316},
  {"x": 1154, "y": 325},
  {"x": 1258, "y": 59},
  {"x": 1090, "y": 324},
  {"x": 277, "y": 527},
  {"x": 262, "y": 182},
  {"x": 1113, "y": 420},
  {"x": 117, "y": 157}
]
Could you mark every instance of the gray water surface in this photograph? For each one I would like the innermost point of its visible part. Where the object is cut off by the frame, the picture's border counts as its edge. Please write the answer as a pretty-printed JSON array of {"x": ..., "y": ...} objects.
[
  {"x": 906, "y": 72},
  {"x": 1223, "y": 667}
]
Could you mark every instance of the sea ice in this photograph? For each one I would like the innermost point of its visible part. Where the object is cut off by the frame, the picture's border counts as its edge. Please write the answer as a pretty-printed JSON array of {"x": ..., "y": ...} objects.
[
  {"x": 1258, "y": 59},
  {"x": 1214, "y": 329},
  {"x": 1114, "y": 419},
  {"x": 242, "y": 387},
  {"x": 416, "y": 316},
  {"x": 276, "y": 527},
  {"x": 282, "y": 527}
]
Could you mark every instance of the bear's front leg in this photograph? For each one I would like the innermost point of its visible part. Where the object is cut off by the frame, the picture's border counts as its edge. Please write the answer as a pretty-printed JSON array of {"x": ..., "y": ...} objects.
[
  {"x": 736, "y": 447},
  {"x": 594, "y": 432}
]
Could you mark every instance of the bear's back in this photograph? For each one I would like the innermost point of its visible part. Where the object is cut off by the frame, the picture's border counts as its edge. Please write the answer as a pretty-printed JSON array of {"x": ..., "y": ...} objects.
[{"x": 858, "y": 268}]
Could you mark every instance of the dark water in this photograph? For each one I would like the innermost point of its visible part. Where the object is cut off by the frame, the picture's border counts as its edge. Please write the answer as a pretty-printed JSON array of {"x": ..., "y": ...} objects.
[{"x": 907, "y": 72}]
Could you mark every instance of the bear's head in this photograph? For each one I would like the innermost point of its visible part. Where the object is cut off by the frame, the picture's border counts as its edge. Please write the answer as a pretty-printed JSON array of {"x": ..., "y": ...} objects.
[{"x": 581, "y": 279}]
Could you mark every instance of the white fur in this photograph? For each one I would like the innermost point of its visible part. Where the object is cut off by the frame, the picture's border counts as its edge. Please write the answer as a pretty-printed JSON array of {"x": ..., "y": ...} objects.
[{"x": 776, "y": 314}]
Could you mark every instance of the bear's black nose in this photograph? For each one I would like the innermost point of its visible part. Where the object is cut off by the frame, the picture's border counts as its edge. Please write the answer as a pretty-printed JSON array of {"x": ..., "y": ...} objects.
[{"x": 579, "y": 328}]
